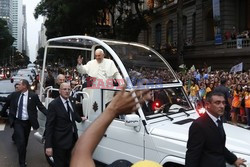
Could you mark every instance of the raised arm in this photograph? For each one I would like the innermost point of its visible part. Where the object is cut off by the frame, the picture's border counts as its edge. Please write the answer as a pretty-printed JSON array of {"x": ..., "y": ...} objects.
[
  {"x": 85, "y": 146},
  {"x": 80, "y": 68}
]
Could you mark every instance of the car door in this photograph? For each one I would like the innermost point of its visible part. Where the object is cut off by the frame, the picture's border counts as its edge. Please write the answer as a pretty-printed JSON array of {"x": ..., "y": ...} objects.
[{"x": 119, "y": 141}]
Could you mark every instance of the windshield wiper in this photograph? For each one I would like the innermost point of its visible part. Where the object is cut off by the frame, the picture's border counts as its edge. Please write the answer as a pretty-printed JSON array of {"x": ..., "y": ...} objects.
[
  {"x": 183, "y": 110},
  {"x": 165, "y": 110}
]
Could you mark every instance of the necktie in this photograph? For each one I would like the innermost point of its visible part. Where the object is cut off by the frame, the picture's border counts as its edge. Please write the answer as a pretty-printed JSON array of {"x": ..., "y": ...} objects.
[
  {"x": 220, "y": 127},
  {"x": 70, "y": 114},
  {"x": 69, "y": 110},
  {"x": 20, "y": 108}
]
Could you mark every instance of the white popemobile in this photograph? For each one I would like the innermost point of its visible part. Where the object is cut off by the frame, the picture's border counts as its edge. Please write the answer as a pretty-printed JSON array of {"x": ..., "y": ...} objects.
[{"x": 158, "y": 136}]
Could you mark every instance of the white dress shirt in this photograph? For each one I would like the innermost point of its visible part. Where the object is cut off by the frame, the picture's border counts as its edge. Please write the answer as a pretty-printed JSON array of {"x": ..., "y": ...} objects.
[
  {"x": 25, "y": 115},
  {"x": 213, "y": 118}
]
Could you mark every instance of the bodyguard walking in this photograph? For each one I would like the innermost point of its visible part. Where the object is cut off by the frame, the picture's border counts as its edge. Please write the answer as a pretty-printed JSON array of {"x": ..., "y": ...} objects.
[
  {"x": 23, "y": 115},
  {"x": 61, "y": 132},
  {"x": 207, "y": 138}
]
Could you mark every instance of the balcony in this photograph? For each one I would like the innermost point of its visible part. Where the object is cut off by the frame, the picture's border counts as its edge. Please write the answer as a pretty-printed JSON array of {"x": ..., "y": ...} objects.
[{"x": 233, "y": 43}]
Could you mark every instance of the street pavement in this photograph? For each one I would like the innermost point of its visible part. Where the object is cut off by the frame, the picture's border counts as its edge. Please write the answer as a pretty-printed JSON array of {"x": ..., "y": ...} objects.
[{"x": 8, "y": 151}]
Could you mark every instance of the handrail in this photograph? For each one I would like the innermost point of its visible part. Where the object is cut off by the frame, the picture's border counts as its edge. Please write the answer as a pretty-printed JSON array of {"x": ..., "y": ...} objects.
[
  {"x": 85, "y": 113},
  {"x": 233, "y": 43}
]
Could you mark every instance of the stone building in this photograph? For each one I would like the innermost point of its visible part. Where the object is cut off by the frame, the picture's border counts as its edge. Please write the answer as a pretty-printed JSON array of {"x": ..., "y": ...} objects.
[{"x": 230, "y": 19}]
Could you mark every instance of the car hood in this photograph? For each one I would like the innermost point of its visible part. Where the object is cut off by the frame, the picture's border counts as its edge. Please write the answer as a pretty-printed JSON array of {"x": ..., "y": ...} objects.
[{"x": 236, "y": 137}]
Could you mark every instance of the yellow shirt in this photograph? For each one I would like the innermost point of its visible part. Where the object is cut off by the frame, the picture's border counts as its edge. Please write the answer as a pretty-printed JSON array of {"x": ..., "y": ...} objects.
[{"x": 194, "y": 90}]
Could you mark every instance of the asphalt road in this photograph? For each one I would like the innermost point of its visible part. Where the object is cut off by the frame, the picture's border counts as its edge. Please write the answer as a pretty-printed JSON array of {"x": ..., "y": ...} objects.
[{"x": 8, "y": 151}]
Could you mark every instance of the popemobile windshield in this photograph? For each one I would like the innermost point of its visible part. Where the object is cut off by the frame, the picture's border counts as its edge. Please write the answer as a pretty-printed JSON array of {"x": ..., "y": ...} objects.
[{"x": 160, "y": 135}]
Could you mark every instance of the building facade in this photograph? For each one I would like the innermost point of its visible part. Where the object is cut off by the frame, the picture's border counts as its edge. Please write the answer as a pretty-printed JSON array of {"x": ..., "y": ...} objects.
[
  {"x": 24, "y": 33},
  {"x": 17, "y": 24},
  {"x": 215, "y": 32},
  {"x": 6, "y": 12},
  {"x": 42, "y": 39}
]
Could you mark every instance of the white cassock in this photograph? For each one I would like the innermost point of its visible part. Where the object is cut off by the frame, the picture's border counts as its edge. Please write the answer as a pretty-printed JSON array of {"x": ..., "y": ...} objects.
[{"x": 104, "y": 70}]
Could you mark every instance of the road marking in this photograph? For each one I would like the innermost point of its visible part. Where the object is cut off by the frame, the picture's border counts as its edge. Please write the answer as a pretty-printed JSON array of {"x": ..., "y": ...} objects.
[{"x": 2, "y": 126}]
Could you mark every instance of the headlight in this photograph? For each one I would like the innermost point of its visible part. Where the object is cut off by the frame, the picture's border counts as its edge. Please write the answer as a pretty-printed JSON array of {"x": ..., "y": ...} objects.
[{"x": 32, "y": 87}]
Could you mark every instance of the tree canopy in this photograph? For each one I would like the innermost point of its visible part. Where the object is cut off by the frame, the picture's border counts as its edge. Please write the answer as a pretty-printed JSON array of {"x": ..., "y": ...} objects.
[
  {"x": 6, "y": 40},
  {"x": 82, "y": 17}
]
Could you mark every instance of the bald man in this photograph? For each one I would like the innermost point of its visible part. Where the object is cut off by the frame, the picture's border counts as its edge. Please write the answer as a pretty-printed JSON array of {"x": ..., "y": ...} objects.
[
  {"x": 61, "y": 131},
  {"x": 99, "y": 68},
  {"x": 59, "y": 80}
]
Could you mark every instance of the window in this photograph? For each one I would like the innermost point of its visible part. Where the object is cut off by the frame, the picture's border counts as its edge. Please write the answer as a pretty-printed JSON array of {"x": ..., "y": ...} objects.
[
  {"x": 193, "y": 26},
  {"x": 170, "y": 32},
  {"x": 184, "y": 22},
  {"x": 158, "y": 36},
  {"x": 209, "y": 26}
]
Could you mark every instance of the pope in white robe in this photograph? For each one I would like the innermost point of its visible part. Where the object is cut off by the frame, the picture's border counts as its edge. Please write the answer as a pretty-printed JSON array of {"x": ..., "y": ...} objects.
[{"x": 100, "y": 68}]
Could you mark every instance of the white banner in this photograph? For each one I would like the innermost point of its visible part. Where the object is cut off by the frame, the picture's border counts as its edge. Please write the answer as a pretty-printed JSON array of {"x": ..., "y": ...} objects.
[{"x": 237, "y": 68}]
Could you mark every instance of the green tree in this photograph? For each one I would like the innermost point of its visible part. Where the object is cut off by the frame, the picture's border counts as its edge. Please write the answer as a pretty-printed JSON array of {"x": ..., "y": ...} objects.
[
  {"x": 126, "y": 25},
  {"x": 69, "y": 17},
  {"x": 6, "y": 40},
  {"x": 81, "y": 17}
]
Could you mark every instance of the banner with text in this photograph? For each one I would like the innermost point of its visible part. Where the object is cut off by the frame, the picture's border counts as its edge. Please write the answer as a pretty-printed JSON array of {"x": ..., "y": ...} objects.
[{"x": 217, "y": 22}]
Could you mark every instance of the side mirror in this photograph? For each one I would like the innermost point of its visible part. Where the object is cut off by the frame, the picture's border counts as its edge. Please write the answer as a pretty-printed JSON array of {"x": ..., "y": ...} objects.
[{"x": 132, "y": 120}]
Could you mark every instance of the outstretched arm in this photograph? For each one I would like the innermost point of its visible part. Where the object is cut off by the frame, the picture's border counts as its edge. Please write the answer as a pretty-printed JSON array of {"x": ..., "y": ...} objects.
[{"x": 85, "y": 146}]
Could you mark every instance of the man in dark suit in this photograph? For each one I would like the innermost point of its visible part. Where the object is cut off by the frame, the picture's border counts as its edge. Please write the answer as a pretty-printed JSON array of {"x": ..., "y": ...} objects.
[
  {"x": 147, "y": 105},
  {"x": 61, "y": 131},
  {"x": 226, "y": 91},
  {"x": 23, "y": 115},
  {"x": 7, "y": 101},
  {"x": 207, "y": 138},
  {"x": 59, "y": 80}
]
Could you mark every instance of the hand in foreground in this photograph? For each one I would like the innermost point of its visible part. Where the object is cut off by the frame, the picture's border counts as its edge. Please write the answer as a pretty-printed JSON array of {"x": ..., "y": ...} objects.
[
  {"x": 49, "y": 152},
  {"x": 79, "y": 60},
  {"x": 125, "y": 102},
  {"x": 239, "y": 162}
]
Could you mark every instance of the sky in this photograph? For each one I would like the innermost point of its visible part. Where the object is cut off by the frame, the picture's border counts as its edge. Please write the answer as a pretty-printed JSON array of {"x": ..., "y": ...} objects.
[{"x": 33, "y": 27}]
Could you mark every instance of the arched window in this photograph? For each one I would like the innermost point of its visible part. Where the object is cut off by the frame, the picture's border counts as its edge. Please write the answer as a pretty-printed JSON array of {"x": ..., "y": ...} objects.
[
  {"x": 170, "y": 30},
  {"x": 184, "y": 22},
  {"x": 158, "y": 36},
  {"x": 193, "y": 26}
]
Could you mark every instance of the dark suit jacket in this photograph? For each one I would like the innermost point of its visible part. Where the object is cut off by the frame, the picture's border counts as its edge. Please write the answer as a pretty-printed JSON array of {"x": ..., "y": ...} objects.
[
  {"x": 33, "y": 103},
  {"x": 206, "y": 147},
  {"x": 59, "y": 133},
  {"x": 6, "y": 105},
  {"x": 147, "y": 110}
]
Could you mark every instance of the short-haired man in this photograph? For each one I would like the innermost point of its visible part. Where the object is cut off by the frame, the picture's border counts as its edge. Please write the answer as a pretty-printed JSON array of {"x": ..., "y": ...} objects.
[
  {"x": 226, "y": 92},
  {"x": 7, "y": 101},
  {"x": 23, "y": 116},
  {"x": 59, "y": 80},
  {"x": 61, "y": 132},
  {"x": 207, "y": 138}
]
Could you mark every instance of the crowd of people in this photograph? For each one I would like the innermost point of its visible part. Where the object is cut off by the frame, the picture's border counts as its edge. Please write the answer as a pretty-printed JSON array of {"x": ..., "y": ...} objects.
[{"x": 198, "y": 83}]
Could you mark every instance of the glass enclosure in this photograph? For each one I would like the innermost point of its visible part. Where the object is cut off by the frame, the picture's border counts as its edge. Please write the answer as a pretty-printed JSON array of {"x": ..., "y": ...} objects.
[
  {"x": 165, "y": 102},
  {"x": 144, "y": 67}
]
